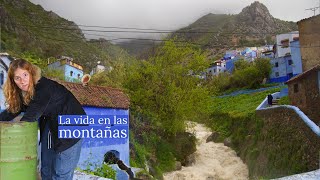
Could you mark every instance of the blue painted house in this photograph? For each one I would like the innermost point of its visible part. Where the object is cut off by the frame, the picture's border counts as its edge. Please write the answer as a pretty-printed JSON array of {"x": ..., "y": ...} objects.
[
  {"x": 281, "y": 69},
  {"x": 283, "y": 46},
  {"x": 249, "y": 54},
  {"x": 296, "y": 57},
  {"x": 230, "y": 64},
  {"x": 230, "y": 54},
  {"x": 73, "y": 72},
  {"x": 216, "y": 68},
  {"x": 267, "y": 54},
  {"x": 98, "y": 100},
  {"x": 5, "y": 61},
  {"x": 287, "y": 66}
]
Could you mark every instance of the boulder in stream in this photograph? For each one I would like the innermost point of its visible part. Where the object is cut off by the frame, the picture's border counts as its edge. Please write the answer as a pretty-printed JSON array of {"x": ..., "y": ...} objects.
[{"x": 213, "y": 137}]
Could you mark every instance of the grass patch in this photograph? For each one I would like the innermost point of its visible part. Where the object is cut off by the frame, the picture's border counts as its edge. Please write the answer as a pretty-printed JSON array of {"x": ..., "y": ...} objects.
[
  {"x": 264, "y": 147},
  {"x": 266, "y": 150},
  {"x": 284, "y": 100}
]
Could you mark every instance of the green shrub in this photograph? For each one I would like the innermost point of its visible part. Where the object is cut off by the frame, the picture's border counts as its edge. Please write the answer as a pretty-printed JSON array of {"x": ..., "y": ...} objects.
[
  {"x": 284, "y": 100},
  {"x": 246, "y": 75},
  {"x": 105, "y": 171}
]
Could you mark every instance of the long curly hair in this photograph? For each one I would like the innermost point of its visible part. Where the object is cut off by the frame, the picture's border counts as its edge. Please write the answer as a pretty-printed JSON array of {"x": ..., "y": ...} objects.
[{"x": 13, "y": 94}]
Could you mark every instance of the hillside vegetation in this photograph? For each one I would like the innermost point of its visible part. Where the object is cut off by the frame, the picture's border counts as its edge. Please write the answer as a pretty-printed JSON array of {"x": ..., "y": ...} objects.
[
  {"x": 165, "y": 93},
  {"x": 254, "y": 26},
  {"x": 265, "y": 147},
  {"x": 27, "y": 30},
  {"x": 246, "y": 75},
  {"x": 216, "y": 33}
]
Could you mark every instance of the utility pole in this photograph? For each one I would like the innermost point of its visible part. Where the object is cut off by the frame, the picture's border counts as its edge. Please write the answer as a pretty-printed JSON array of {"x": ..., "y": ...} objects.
[{"x": 314, "y": 9}]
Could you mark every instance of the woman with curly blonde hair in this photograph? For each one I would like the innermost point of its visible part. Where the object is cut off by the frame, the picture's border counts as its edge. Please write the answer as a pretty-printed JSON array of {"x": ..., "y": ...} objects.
[
  {"x": 42, "y": 100},
  {"x": 12, "y": 90}
]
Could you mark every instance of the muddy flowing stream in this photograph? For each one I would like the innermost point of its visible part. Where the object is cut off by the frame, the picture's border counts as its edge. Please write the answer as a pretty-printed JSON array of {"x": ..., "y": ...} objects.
[{"x": 213, "y": 161}]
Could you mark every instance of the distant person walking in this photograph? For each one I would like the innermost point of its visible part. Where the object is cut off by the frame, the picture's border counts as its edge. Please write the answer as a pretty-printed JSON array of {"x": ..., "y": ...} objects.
[
  {"x": 43, "y": 99},
  {"x": 270, "y": 98}
]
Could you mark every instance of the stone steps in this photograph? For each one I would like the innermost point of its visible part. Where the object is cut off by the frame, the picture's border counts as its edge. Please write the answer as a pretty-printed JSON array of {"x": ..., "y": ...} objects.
[{"x": 275, "y": 102}]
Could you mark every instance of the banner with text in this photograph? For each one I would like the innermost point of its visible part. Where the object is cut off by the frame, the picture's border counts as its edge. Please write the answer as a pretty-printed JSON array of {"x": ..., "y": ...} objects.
[{"x": 93, "y": 126}]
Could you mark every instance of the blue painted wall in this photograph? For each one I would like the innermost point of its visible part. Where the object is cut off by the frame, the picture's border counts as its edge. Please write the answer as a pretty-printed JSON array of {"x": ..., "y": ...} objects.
[
  {"x": 267, "y": 55},
  {"x": 296, "y": 57},
  {"x": 284, "y": 71},
  {"x": 230, "y": 55},
  {"x": 76, "y": 74},
  {"x": 215, "y": 69},
  {"x": 230, "y": 64},
  {"x": 93, "y": 150}
]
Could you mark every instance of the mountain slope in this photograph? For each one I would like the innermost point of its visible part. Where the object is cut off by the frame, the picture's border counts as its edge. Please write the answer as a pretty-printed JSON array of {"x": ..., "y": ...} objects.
[
  {"x": 253, "y": 26},
  {"x": 29, "y": 29},
  {"x": 137, "y": 47}
]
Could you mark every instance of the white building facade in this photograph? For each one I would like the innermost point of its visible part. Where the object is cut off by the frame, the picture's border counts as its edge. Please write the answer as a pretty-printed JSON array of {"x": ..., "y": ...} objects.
[
  {"x": 216, "y": 68},
  {"x": 5, "y": 61},
  {"x": 283, "y": 43}
]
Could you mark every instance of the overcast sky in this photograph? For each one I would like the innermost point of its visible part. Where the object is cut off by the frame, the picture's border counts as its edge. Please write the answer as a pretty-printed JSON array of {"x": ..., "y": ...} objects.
[{"x": 165, "y": 14}]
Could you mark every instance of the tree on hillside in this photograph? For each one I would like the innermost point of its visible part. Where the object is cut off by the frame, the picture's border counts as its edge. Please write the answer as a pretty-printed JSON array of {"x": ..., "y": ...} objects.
[
  {"x": 115, "y": 72},
  {"x": 246, "y": 78},
  {"x": 264, "y": 67},
  {"x": 241, "y": 64},
  {"x": 166, "y": 90},
  {"x": 113, "y": 77},
  {"x": 55, "y": 74},
  {"x": 250, "y": 75},
  {"x": 245, "y": 75}
]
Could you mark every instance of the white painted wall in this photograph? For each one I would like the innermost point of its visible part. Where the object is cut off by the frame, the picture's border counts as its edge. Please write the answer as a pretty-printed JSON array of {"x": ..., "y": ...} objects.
[
  {"x": 282, "y": 51},
  {"x": 5, "y": 59}
]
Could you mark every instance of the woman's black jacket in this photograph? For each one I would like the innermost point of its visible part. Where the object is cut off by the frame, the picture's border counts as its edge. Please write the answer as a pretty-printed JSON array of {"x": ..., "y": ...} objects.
[{"x": 50, "y": 100}]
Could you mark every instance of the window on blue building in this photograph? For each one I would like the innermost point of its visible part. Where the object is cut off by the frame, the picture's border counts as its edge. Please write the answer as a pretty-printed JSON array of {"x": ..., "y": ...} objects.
[
  {"x": 78, "y": 76},
  {"x": 277, "y": 74},
  {"x": 71, "y": 73},
  {"x": 285, "y": 43},
  {"x": 276, "y": 64},
  {"x": 1, "y": 78},
  {"x": 290, "y": 62}
]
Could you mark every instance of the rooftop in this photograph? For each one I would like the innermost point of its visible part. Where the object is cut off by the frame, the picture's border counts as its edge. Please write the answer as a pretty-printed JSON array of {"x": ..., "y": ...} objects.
[
  {"x": 304, "y": 74},
  {"x": 309, "y": 18},
  {"x": 98, "y": 96}
]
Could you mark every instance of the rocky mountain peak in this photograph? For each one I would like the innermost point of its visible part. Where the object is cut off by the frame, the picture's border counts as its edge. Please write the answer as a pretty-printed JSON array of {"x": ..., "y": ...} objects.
[{"x": 256, "y": 13}]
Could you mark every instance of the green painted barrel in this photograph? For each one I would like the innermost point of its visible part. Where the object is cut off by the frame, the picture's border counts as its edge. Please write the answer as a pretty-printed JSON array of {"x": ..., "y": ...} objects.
[{"x": 18, "y": 150}]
